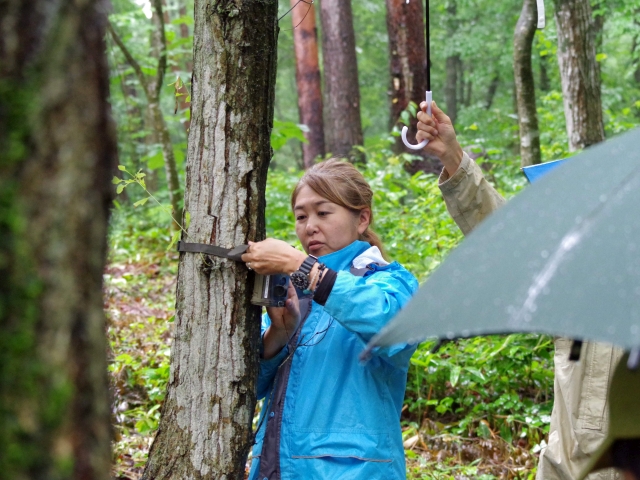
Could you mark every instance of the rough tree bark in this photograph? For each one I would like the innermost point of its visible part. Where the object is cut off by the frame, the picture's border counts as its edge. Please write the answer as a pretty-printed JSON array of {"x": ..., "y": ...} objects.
[
  {"x": 407, "y": 65},
  {"x": 305, "y": 42},
  {"x": 57, "y": 158},
  {"x": 152, "y": 90},
  {"x": 342, "y": 93},
  {"x": 452, "y": 64},
  {"x": 525, "y": 87},
  {"x": 205, "y": 430},
  {"x": 579, "y": 73}
]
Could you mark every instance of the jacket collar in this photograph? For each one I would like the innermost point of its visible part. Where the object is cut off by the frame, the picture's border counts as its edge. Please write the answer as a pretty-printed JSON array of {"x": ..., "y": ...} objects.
[{"x": 341, "y": 259}]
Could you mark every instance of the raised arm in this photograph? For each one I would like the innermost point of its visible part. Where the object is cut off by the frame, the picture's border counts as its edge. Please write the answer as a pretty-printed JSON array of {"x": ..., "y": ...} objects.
[{"x": 469, "y": 197}]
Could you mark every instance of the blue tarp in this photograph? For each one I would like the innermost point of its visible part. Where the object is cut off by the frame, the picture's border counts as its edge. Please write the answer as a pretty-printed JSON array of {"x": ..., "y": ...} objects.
[{"x": 534, "y": 172}]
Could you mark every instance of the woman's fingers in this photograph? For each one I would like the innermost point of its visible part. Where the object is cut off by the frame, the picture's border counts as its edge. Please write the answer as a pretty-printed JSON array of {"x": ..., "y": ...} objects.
[
  {"x": 426, "y": 119},
  {"x": 427, "y": 129}
]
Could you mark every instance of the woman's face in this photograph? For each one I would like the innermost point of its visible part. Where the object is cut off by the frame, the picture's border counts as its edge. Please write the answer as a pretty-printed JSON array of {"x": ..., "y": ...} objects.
[{"x": 324, "y": 227}]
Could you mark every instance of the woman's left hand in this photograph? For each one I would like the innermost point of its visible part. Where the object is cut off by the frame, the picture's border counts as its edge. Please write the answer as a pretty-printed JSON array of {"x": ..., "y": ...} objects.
[{"x": 272, "y": 256}]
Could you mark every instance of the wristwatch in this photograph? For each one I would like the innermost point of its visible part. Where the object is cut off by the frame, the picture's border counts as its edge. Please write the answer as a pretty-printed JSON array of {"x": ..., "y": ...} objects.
[{"x": 300, "y": 278}]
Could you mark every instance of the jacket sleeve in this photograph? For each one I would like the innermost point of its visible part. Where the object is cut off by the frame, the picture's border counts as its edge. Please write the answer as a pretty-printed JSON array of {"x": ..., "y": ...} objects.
[
  {"x": 469, "y": 197},
  {"x": 364, "y": 305},
  {"x": 268, "y": 368}
]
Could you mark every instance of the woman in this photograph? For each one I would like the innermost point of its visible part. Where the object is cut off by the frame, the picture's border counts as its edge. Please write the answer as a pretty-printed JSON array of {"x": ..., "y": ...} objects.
[{"x": 326, "y": 415}]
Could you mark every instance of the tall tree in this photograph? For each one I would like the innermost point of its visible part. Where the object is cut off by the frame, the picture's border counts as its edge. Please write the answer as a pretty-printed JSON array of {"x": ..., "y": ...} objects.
[
  {"x": 342, "y": 93},
  {"x": 152, "y": 89},
  {"x": 407, "y": 65},
  {"x": 205, "y": 429},
  {"x": 305, "y": 42},
  {"x": 453, "y": 63},
  {"x": 579, "y": 73},
  {"x": 58, "y": 156},
  {"x": 407, "y": 56},
  {"x": 525, "y": 87}
]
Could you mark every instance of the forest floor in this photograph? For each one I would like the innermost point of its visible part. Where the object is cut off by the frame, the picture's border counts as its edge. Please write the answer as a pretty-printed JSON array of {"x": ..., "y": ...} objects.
[{"x": 139, "y": 303}]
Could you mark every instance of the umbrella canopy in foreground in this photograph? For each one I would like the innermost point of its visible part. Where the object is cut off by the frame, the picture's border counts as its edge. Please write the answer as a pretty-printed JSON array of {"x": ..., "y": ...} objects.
[{"x": 561, "y": 258}]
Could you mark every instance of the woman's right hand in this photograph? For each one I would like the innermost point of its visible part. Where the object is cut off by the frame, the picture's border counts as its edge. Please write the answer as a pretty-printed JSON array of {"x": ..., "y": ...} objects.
[
  {"x": 439, "y": 130},
  {"x": 284, "y": 321}
]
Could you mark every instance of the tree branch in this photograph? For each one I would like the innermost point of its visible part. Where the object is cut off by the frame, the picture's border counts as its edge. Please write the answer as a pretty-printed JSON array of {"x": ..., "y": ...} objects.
[
  {"x": 130, "y": 60},
  {"x": 162, "y": 58}
]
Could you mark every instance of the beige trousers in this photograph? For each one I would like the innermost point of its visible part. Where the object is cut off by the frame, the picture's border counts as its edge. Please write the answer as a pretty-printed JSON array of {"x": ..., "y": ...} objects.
[{"x": 579, "y": 419}]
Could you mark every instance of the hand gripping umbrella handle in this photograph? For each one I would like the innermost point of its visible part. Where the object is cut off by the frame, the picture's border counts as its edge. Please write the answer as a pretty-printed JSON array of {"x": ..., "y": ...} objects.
[{"x": 423, "y": 143}]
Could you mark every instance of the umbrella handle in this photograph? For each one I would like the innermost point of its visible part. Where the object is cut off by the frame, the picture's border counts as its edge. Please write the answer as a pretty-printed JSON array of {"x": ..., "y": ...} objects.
[{"x": 423, "y": 143}]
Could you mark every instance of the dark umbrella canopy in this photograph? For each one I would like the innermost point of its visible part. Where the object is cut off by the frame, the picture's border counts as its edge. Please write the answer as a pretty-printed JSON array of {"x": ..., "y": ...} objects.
[{"x": 562, "y": 258}]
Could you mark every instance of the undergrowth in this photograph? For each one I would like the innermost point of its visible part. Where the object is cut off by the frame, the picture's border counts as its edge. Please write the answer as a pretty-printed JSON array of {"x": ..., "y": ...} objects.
[{"x": 476, "y": 408}]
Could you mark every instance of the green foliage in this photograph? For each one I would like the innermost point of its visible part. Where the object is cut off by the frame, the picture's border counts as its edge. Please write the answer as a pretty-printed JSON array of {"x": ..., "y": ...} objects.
[
  {"x": 473, "y": 398},
  {"x": 472, "y": 382}
]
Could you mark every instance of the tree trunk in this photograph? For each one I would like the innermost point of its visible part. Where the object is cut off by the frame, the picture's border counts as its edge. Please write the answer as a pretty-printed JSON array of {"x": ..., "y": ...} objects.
[
  {"x": 305, "y": 41},
  {"x": 205, "y": 430},
  {"x": 451, "y": 87},
  {"x": 407, "y": 65},
  {"x": 152, "y": 89},
  {"x": 579, "y": 73},
  {"x": 342, "y": 93},
  {"x": 492, "y": 90},
  {"x": 525, "y": 88},
  {"x": 170, "y": 168},
  {"x": 407, "y": 57},
  {"x": 58, "y": 156},
  {"x": 452, "y": 63},
  {"x": 545, "y": 81}
]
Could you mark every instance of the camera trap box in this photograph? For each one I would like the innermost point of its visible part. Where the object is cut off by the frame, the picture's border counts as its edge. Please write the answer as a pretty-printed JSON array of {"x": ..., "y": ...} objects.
[{"x": 270, "y": 290}]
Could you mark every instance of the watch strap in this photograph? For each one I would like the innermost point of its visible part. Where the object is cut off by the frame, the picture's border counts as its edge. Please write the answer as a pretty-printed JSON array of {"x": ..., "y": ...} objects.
[{"x": 308, "y": 264}]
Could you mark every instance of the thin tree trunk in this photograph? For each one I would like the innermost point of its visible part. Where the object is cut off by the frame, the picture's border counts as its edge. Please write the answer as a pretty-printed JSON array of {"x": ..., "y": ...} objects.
[
  {"x": 545, "y": 81},
  {"x": 525, "y": 88},
  {"x": 492, "y": 90},
  {"x": 180, "y": 88},
  {"x": 461, "y": 82},
  {"x": 205, "y": 430},
  {"x": 305, "y": 41},
  {"x": 451, "y": 86},
  {"x": 58, "y": 156},
  {"x": 152, "y": 89},
  {"x": 579, "y": 73},
  {"x": 342, "y": 94}
]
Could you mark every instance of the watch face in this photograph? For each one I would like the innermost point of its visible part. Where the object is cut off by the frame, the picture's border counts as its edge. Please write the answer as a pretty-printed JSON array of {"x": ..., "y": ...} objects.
[{"x": 299, "y": 280}]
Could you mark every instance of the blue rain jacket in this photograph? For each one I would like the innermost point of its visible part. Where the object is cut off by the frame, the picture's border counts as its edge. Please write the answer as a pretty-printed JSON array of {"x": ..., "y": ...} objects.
[{"x": 341, "y": 418}]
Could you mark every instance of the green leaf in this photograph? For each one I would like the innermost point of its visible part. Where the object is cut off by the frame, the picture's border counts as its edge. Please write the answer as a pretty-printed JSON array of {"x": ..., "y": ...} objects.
[
  {"x": 454, "y": 375},
  {"x": 122, "y": 168},
  {"x": 120, "y": 188},
  {"x": 174, "y": 239},
  {"x": 141, "y": 202},
  {"x": 116, "y": 180}
]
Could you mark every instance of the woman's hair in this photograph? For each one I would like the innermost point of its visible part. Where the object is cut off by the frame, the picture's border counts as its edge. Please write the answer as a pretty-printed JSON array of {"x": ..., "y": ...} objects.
[{"x": 341, "y": 183}]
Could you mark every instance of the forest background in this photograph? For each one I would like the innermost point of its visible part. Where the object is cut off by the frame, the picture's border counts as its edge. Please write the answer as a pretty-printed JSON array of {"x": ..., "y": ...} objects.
[{"x": 477, "y": 408}]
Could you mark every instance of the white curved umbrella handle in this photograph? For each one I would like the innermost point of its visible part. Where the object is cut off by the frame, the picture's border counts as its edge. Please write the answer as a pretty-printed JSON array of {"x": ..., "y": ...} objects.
[{"x": 423, "y": 143}]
